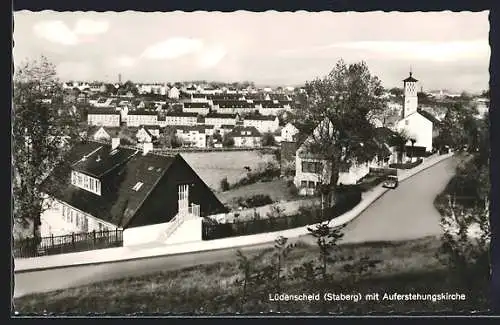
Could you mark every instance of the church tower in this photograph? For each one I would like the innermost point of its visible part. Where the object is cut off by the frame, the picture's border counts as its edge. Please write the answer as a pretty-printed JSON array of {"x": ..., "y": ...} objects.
[{"x": 410, "y": 96}]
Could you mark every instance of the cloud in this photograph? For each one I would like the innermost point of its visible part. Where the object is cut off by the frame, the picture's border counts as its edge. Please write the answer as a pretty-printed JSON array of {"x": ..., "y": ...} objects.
[
  {"x": 211, "y": 57},
  {"x": 90, "y": 27},
  {"x": 433, "y": 51},
  {"x": 173, "y": 48},
  {"x": 125, "y": 61},
  {"x": 55, "y": 31}
]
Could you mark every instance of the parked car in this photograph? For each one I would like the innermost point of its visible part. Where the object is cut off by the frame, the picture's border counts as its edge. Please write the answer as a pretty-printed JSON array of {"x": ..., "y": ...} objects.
[{"x": 391, "y": 182}]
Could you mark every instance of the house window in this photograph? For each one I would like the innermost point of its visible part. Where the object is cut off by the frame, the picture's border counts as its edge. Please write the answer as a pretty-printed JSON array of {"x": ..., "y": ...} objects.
[
  {"x": 407, "y": 122},
  {"x": 312, "y": 184},
  {"x": 303, "y": 184},
  {"x": 85, "y": 224},
  {"x": 183, "y": 192}
]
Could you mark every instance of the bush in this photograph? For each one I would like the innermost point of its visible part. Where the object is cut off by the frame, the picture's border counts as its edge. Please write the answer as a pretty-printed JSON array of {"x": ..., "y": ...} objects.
[
  {"x": 224, "y": 184},
  {"x": 347, "y": 197},
  {"x": 254, "y": 201}
]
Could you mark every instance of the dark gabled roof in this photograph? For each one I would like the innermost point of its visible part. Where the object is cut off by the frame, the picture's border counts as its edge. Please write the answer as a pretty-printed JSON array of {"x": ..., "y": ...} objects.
[
  {"x": 233, "y": 104},
  {"x": 119, "y": 201},
  {"x": 261, "y": 117},
  {"x": 100, "y": 161},
  {"x": 236, "y": 132},
  {"x": 386, "y": 135},
  {"x": 196, "y": 105},
  {"x": 410, "y": 79},
  {"x": 220, "y": 115},
  {"x": 142, "y": 112},
  {"x": 227, "y": 126},
  {"x": 181, "y": 114},
  {"x": 429, "y": 116},
  {"x": 103, "y": 111}
]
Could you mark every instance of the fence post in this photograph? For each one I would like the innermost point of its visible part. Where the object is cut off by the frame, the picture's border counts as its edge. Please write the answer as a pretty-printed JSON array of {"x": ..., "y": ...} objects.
[
  {"x": 73, "y": 239},
  {"x": 52, "y": 240},
  {"x": 93, "y": 234}
]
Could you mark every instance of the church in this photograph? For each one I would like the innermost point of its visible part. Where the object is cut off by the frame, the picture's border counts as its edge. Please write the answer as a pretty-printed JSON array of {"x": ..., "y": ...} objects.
[{"x": 417, "y": 126}]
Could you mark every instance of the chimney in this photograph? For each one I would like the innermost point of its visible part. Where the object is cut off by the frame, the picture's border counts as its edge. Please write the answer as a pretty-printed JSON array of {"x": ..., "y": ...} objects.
[
  {"x": 115, "y": 143},
  {"x": 146, "y": 147}
]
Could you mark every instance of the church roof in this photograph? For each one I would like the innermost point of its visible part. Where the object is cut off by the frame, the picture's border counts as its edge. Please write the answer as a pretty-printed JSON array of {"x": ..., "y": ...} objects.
[{"x": 410, "y": 79}]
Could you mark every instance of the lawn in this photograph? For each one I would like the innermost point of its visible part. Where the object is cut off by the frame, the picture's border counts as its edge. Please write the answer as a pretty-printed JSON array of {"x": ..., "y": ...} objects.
[
  {"x": 212, "y": 167},
  {"x": 403, "y": 267},
  {"x": 277, "y": 189}
]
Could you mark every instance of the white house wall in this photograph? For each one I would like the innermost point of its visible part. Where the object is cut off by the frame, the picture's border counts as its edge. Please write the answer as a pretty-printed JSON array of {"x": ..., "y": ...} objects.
[
  {"x": 144, "y": 234},
  {"x": 418, "y": 127}
]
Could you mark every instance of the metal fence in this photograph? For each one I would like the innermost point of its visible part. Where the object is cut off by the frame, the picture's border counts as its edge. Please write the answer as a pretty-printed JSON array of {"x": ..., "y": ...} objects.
[
  {"x": 346, "y": 200},
  {"x": 52, "y": 245}
]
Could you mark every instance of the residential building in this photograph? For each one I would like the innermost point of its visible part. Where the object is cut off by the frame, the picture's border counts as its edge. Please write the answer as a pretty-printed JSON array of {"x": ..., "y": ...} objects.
[
  {"x": 246, "y": 136},
  {"x": 289, "y": 132},
  {"x": 104, "y": 117},
  {"x": 262, "y": 123},
  {"x": 202, "y": 108},
  {"x": 105, "y": 102},
  {"x": 192, "y": 135},
  {"x": 147, "y": 133},
  {"x": 142, "y": 117},
  {"x": 181, "y": 118},
  {"x": 269, "y": 107},
  {"x": 108, "y": 187},
  {"x": 218, "y": 119},
  {"x": 103, "y": 133},
  {"x": 233, "y": 106},
  {"x": 314, "y": 168},
  {"x": 417, "y": 126},
  {"x": 174, "y": 93}
]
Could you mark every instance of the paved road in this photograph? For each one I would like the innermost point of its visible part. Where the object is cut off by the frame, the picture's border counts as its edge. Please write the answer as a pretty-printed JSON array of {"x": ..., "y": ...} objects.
[{"x": 405, "y": 213}]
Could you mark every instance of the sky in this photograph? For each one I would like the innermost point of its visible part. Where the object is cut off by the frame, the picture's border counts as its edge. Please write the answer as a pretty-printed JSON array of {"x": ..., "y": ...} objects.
[{"x": 445, "y": 50}]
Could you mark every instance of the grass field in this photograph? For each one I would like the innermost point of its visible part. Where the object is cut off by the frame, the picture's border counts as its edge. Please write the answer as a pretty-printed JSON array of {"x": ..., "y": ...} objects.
[
  {"x": 277, "y": 189},
  {"x": 403, "y": 267},
  {"x": 212, "y": 167}
]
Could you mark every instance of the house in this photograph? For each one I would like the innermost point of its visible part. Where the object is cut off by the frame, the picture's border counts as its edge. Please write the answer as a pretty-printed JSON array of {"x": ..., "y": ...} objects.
[
  {"x": 246, "y": 136},
  {"x": 313, "y": 168},
  {"x": 192, "y": 135},
  {"x": 269, "y": 107},
  {"x": 104, "y": 133},
  {"x": 202, "y": 108},
  {"x": 105, "y": 102},
  {"x": 142, "y": 117},
  {"x": 289, "y": 132},
  {"x": 180, "y": 118},
  {"x": 262, "y": 123},
  {"x": 225, "y": 129},
  {"x": 233, "y": 106},
  {"x": 147, "y": 133},
  {"x": 173, "y": 93},
  {"x": 108, "y": 187},
  {"x": 416, "y": 125},
  {"x": 104, "y": 117},
  {"x": 287, "y": 161},
  {"x": 218, "y": 119}
]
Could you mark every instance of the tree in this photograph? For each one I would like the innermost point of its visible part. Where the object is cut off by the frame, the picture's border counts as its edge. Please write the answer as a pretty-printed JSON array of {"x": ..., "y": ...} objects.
[
  {"x": 268, "y": 139},
  {"x": 39, "y": 131},
  {"x": 327, "y": 239},
  {"x": 227, "y": 141},
  {"x": 244, "y": 266},
  {"x": 170, "y": 139},
  {"x": 282, "y": 251},
  {"x": 339, "y": 104}
]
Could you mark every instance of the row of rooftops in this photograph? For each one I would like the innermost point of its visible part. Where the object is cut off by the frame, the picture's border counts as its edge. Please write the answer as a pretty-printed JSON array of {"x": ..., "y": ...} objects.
[{"x": 109, "y": 111}]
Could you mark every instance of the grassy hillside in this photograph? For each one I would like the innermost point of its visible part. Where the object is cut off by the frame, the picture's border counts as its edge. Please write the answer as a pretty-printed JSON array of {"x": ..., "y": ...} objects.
[{"x": 401, "y": 267}]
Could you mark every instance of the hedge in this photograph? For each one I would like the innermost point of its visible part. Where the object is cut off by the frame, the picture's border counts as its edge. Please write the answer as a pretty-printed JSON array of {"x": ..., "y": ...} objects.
[{"x": 347, "y": 198}]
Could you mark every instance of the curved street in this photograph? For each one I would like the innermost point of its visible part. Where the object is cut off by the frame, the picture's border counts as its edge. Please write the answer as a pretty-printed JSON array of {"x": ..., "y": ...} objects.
[{"x": 404, "y": 213}]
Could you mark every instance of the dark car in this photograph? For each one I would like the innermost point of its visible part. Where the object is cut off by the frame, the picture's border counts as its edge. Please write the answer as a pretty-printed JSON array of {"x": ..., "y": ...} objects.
[{"x": 391, "y": 182}]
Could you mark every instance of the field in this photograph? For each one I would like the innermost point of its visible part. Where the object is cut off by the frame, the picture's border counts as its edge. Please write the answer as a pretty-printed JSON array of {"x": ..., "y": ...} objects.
[
  {"x": 400, "y": 267},
  {"x": 212, "y": 167}
]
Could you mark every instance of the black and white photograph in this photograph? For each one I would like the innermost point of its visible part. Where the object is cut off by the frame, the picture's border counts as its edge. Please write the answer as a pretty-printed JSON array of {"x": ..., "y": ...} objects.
[{"x": 250, "y": 163}]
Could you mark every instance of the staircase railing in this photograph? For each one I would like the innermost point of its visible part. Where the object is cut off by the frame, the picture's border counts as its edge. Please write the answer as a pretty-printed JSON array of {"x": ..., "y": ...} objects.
[{"x": 174, "y": 225}]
